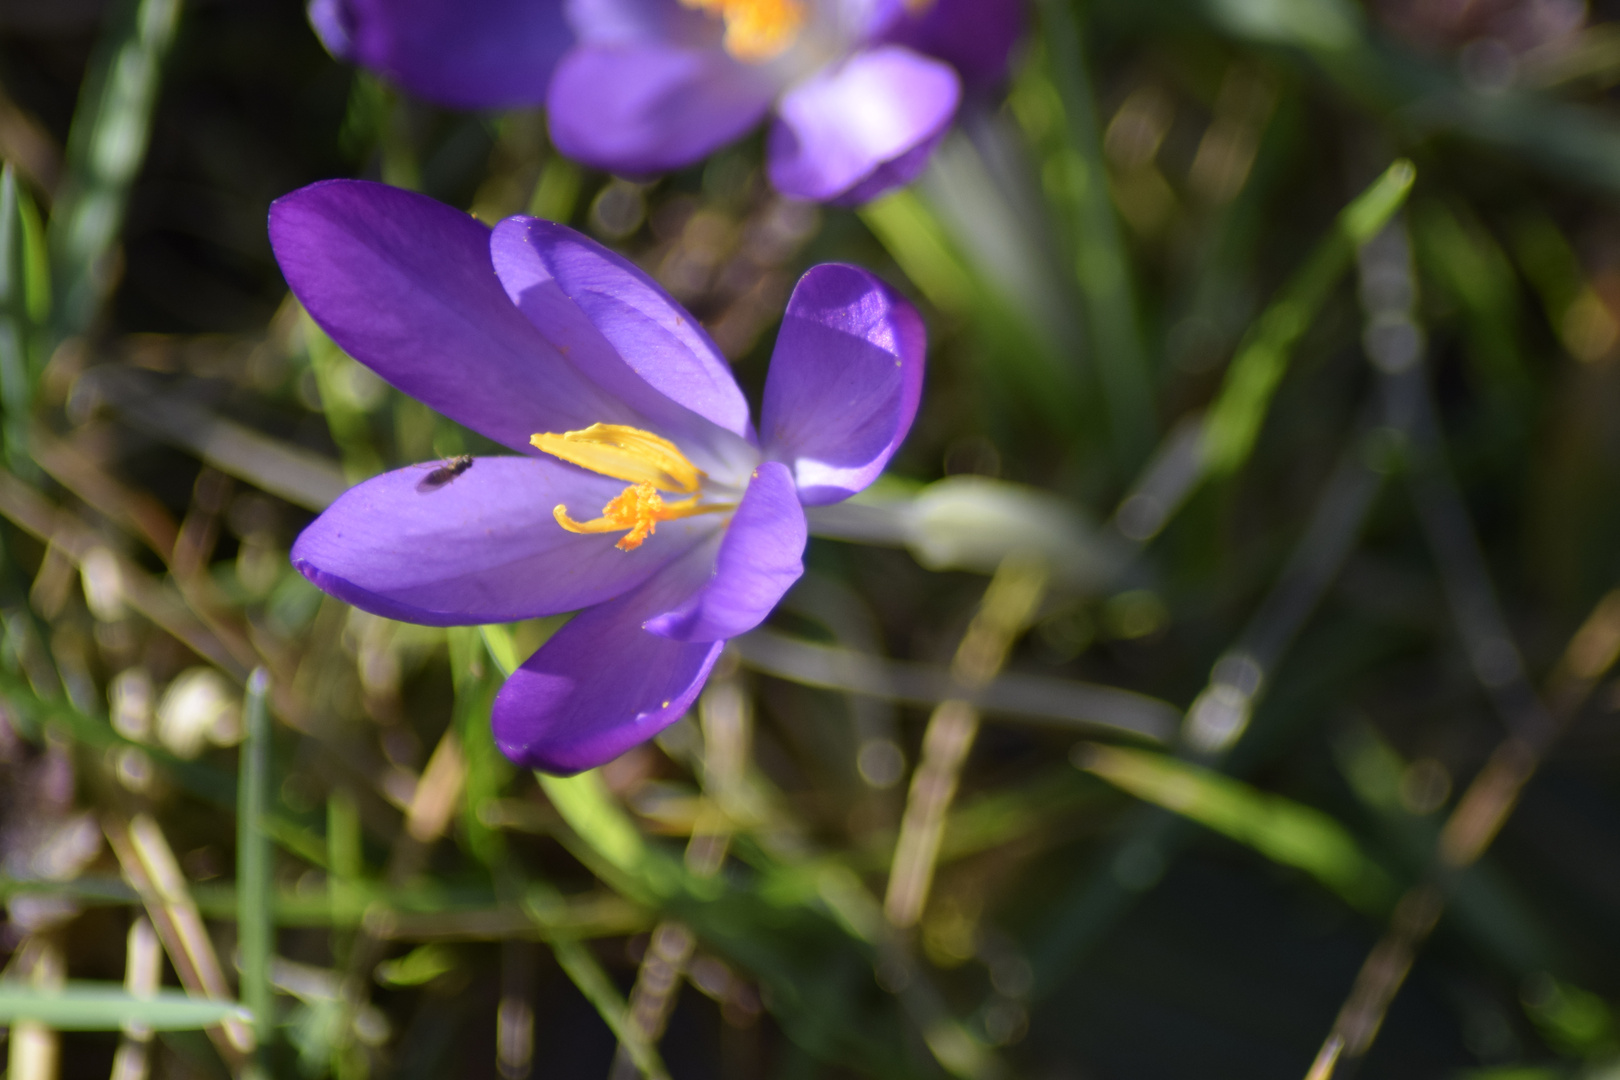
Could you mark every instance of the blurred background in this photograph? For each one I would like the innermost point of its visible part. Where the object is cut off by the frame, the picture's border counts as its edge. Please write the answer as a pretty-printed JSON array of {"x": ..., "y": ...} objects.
[{"x": 1218, "y": 684}]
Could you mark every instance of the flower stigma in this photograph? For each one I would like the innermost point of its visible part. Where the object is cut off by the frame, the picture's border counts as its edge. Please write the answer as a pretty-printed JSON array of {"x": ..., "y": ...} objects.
[
  {"x": 756, "y": 30},
  {"x": 649, "y": 462}
]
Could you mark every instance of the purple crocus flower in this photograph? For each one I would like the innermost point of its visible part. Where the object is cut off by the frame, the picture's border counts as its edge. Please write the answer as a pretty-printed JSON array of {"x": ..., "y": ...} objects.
[
  {"x": 644, "y": 499},
  {"x": 861, "y": 90},
  {"x": 467, "y": 54}
]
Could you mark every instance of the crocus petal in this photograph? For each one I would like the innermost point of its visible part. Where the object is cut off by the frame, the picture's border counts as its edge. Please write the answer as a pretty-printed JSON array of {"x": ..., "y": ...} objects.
[
  {"x": 974, "y": 36},
  {"x": 404, "y": 284},
  {"x": 619, "y": 328},
  {"x": 466, "y": 54},
  {"x": 601, "y": 21},
  {"x": 333, "y": 21},
  {"x": 481, "y": 547},
  {"x": 759, "y": 560},
  {"x": 894, "y": 173},
  {"x": 647, "y": 107},
  {"x": 838, "y": 127},
  {"x": 844, "y": 381},
  {"x": 602, "y": 683}
]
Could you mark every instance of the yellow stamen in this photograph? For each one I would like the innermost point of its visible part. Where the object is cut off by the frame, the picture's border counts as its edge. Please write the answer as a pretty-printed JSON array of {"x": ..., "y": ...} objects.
[
  {"x": 638, "y": 508},
  {"x": 624, "y": 453},
  {"x": 756, "y": 30},
  {"x": 649, "y": 462}
]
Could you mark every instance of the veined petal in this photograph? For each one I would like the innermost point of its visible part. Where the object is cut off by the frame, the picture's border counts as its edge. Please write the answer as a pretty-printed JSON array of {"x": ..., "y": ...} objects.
[
  {"x": 482, "y": 547},
  {"x": 974, "y": 36},
  {"x": 844, "y": 381},
  {"x": 603, "y": 684},
  {"x": 839, "y": 127},
  {"x": 466, "y": 54},
  {"x": 621, "y": 330},
  {"x": 760, "y": 558},
  {"x": 646, "y": 107},
  {"x": 405, "y": 285}
]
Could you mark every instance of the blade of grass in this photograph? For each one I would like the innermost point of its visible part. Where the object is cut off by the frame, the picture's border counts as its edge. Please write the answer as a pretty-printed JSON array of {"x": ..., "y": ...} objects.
[
  {"x": 476, "y": 681},
  {"x": 255, "y": 919},
  {"x": 1219, "y": 442},
  {"x": 347, "y": 421},
  {"x": 1234, "y": 419},
  {"x": 88, "y": 1006},
  {"x": 1063, "y": 703},
  {"x": 150, "y": 868},
  {"x": 1023, "y": 306},
  {"x": 908, "y": 229},
  {"x": 16, "y": 375},
  {"x": 1101, "y": 263},
  {"x": 35, "y": 1049},
  {"x": 106, "y": 146},
  {"x": 1010, "y": 603},
  {"x": 1282, "y": 830},
  {"x": 586, "y": 973},
  {"x": 143, "y": 975}
]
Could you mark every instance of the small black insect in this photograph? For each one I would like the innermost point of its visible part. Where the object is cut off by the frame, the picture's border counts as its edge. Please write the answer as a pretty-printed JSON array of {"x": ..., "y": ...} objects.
[{"x": 445, "y": 472}]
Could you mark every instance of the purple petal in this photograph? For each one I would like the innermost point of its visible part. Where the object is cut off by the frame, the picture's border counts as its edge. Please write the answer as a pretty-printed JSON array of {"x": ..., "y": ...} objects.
[
  {"x": 405, "y": 285},
  {"x": 871, "y": 20},
  {"x": 760, "y": 558},
  {"x": 481, "y": 547},
  {"x": 844, "y": 381},
  {"x": 837, "y": 128},
  {"x": 647, "y": 107},
  {"x": 602, "y": 684},
  {"x": 893, "y": 174},
  {"x": 974, "y": 36},
  {"x": 466, "y": 54},
  {"x": 601, "y": 21},
  {"x": 620, "y": 329},
  {"x": 333, "y": 21}
]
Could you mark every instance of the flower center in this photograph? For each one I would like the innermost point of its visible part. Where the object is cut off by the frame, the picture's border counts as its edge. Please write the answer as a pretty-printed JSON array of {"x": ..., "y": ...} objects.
[
  {"x": 756, "y": 30},
  {"x": 649, "y": 462}
]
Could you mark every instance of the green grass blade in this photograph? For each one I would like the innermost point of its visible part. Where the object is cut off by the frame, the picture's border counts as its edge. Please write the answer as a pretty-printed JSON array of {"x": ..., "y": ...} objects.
[
  {"x": 16, "y": 378},
  {"x": 502, "y": 649},
  {"x": 1235, "y": 418},
  {"x": 36, "y": 264},
  {"x": 106, "y": 147},
  {"x": 1280, "y": 829},
  {"x": 586, "y": 973},
  {"x": 915, "y": 240},
  {"x": 584, "y": 803},
  {"x": 487, "y": 770},
  {"x": 1102, "y": 265},
  {"x": 255, "y": 925},
  {"x": 88, "y": 1006}
]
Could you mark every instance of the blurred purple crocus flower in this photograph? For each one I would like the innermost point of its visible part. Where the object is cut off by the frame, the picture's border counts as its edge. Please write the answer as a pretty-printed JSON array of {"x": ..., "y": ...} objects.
[
  {"x": 467, "y": 54},
  {"x": 861, "y": 90},
  {"x": 542, "y": 340}
]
